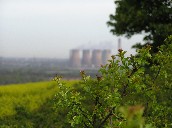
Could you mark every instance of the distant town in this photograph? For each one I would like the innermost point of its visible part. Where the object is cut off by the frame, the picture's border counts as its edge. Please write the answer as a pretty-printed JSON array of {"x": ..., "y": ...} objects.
[{"x": 21, "y": 70}]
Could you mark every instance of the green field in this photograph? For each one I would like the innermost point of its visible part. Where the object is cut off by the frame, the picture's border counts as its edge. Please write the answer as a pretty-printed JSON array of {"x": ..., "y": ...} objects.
[{"x": 29, "y": 105}]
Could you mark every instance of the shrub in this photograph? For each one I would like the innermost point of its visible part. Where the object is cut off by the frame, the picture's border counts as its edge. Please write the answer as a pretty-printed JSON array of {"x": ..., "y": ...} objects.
[{"x": 142, "y": 82}]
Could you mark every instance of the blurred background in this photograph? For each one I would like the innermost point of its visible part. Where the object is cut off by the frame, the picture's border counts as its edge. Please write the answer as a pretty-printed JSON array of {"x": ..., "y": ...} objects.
[{"x": 41, "y": 38}]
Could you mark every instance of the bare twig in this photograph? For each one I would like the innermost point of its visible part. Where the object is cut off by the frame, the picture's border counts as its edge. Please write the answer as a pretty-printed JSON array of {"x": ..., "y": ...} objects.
[{"x": 106, "y": 118}]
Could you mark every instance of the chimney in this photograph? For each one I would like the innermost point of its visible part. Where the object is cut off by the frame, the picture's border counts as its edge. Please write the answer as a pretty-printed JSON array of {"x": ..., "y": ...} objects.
[{"x": 119, "y": 44}]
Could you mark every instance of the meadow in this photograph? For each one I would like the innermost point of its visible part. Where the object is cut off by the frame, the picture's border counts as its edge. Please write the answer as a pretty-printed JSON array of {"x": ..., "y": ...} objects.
[{"x": 29, "y": 105}]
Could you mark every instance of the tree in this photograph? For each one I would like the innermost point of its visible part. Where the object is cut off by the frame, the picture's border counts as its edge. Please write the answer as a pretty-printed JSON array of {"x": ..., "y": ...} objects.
[{"x": 151, "y": 17}]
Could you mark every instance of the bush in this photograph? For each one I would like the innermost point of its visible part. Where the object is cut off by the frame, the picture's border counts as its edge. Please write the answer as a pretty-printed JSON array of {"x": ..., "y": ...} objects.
[{"x": 142, "y": 82}]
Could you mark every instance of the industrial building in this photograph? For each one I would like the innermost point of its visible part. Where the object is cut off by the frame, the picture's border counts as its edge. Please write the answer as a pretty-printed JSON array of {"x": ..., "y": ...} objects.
[{"x": 89, "y": 58}]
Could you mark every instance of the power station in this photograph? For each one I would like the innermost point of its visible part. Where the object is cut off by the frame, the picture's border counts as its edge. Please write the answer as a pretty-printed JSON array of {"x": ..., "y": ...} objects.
[{"x": 90, "y": 58}]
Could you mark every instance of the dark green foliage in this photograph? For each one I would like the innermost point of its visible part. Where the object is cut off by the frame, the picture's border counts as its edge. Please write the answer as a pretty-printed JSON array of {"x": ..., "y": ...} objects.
[
  {"x": 152, "y": 17},
  {"x": 126, "y": 81},
  {"x": 44, "y": 117}
]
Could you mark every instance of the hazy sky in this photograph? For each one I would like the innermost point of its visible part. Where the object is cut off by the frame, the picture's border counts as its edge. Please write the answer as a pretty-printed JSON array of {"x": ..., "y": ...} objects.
[{"x": 50, "y": 28}]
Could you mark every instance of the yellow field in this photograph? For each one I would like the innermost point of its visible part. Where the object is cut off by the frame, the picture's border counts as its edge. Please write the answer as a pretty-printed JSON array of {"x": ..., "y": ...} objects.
[{"x": 30, "y": 96}]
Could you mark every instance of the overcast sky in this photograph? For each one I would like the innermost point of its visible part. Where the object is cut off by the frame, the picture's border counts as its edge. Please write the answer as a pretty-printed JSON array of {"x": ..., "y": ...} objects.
[{"x": 50, "y": 28}]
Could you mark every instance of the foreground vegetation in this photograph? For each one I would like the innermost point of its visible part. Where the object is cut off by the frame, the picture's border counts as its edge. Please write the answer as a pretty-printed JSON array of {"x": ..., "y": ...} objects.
[
  {"x": 131, "y": 92},
  {"x": 29, "y": 105}
]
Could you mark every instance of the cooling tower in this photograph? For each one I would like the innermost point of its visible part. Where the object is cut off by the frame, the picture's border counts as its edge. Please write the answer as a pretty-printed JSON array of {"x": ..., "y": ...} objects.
[
  {"x": 75, "y": 60},
  {"x": 106, "y": 55},
  {"x": 86, "y": 58},
  {"x": 97, "y": 57}
]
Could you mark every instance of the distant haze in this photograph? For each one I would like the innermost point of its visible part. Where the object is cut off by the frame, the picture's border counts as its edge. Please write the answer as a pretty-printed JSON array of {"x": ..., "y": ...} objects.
[
  {"x": 101, "y": 45},
  {"x": 50, "y": 28}
]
